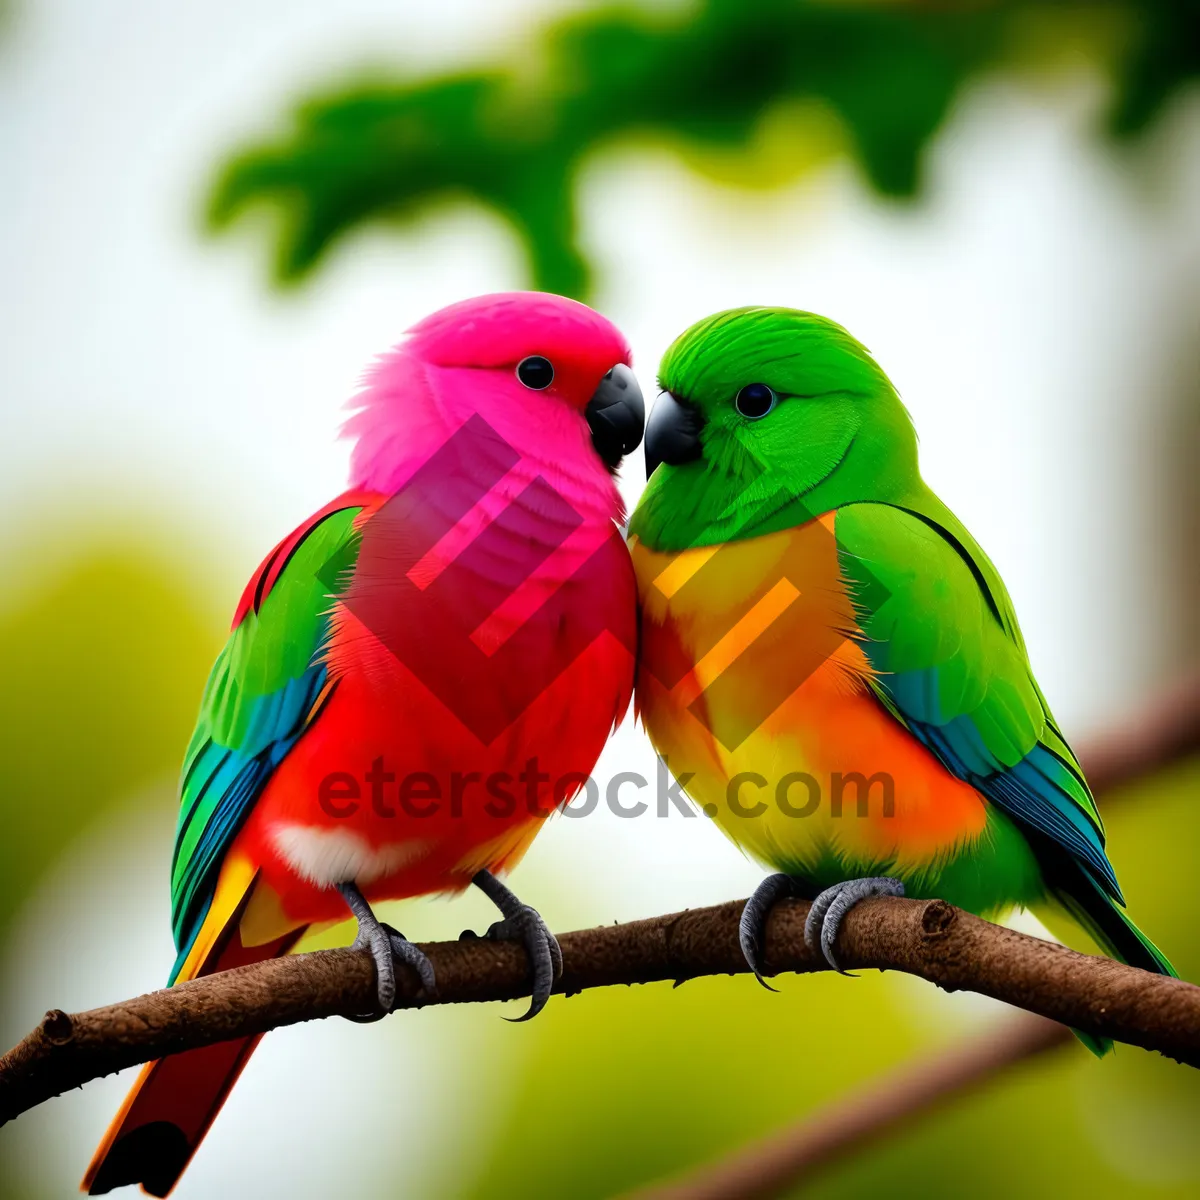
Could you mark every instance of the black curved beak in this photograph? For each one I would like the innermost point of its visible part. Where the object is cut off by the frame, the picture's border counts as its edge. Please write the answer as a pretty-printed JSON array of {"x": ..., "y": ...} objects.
[
  {"x": 672, "y": 433},
  {"x": 616, "y": 415}
]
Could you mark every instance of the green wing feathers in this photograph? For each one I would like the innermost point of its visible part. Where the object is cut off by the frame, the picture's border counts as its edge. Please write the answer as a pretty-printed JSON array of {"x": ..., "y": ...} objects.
[
  {"x": 260, "y": 697},
  {"x": 940, "y": 631}
]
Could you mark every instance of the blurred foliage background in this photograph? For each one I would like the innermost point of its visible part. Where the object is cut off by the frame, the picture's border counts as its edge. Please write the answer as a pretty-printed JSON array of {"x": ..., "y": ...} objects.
[
  {"x": 751, "y": 93},
  {"x": 102, "y": 664},
  {"x": 109, "y": 620}
]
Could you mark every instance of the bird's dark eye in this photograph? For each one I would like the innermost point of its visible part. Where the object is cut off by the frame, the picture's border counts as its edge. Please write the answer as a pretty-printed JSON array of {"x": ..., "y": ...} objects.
[
  {"x": 536, "y": 372},
  {"x": 755, "y": 400}
]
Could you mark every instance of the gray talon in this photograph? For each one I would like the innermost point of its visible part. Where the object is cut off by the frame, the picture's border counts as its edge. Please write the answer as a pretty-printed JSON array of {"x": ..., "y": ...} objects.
[
  {"x": 387, "y": 947},
  {"x": 524, "y": 924},
  {"x": 405, "y": 952},
  {"x": 373, "y": 937},
  {"x": 753, "y": 924},
  {"x": 831, "y": 906},
  {"x": 816, "y": 915},
  {"x": 527, "y": 927},
  {"x": 555, "y": 955}
]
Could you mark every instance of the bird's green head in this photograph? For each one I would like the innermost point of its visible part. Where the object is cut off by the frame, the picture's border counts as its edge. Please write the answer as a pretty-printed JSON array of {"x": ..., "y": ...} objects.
[{"x": 768, "y": 416}]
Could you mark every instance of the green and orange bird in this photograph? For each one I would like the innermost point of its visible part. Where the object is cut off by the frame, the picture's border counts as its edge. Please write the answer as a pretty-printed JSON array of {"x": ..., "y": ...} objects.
[
  {"x": 830, "y": 660},
  {"x": 416, "y": 677}
]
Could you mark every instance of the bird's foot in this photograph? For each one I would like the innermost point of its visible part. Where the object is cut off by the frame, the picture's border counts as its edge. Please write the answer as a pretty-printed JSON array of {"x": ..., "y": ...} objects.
[
  {"x": 524, "y": 924},
  {"x": 411, "y": 955},
  {"x": 752, "y": 927},
  {"x": 831, "y": 906},
  {"x": 387, "y": 947}
]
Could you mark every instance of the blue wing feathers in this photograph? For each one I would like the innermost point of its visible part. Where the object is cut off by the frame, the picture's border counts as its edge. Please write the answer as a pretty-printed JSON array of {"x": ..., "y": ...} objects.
[
  {"x": 1038, "y": 789},
  {"x": 1035, "y": 792},
  {"x": 950, "y": 664},
  {"x": 234, "y": 778},
  {"x": 262, "y": 695}
]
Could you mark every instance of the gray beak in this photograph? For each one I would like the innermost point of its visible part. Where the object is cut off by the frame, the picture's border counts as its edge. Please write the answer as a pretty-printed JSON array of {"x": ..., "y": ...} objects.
[
  {"x": 672, "y": 433},
  {"x": 616, "y": 415}
]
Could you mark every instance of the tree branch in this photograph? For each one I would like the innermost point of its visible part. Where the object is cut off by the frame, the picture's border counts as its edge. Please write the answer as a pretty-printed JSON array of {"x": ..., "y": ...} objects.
[
  {"x": 1165, "y": 732},
  {"x": 929, "y": 939}
]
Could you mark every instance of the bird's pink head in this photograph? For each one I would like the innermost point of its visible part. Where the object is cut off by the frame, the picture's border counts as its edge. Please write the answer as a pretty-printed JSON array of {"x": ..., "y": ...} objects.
[{"x": 549, "y": 375}]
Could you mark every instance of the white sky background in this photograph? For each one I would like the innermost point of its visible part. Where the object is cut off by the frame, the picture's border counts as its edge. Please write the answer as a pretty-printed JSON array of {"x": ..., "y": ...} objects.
[{"x": 1032, "y": 312}]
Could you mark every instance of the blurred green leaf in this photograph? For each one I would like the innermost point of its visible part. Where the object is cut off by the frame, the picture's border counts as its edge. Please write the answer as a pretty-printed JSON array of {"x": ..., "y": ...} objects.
[
  {"x": 103, "y": 672},
  {"x": 103, "y": 669},
  {"x": 707, "y": 79},
  {"x": 621, "y": 1087}
]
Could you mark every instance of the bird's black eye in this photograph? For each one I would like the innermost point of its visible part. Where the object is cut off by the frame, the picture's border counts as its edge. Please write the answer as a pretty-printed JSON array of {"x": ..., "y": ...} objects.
[
  {"x": 755, "y": 400},
  {"x": 536, "y": 372}
]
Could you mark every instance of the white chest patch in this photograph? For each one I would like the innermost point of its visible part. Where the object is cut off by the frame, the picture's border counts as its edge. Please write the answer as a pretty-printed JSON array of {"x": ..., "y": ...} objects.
[{"x": 327, "y": 857}]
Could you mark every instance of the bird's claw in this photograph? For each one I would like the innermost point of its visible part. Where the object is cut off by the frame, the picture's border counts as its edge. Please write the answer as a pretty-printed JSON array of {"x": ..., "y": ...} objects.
[
  {"x": 753, "y": 924},
  {"x": 545, "y": 956},
  {"x": 387, "y": 947},
  {"x": 404, "y": 951},
  {"x": 524, "y": 924},
  {"x": 831, "y": 906},
  {"x": 375, "y": 939}
]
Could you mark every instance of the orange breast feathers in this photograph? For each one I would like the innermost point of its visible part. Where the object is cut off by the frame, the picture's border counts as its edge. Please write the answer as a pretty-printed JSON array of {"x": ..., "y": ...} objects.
[{"x": 752, "y": 680}]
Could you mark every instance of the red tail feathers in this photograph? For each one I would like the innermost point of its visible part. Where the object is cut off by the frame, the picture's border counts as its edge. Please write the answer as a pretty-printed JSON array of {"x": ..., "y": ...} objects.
[{"x": 176, "y": 1099}]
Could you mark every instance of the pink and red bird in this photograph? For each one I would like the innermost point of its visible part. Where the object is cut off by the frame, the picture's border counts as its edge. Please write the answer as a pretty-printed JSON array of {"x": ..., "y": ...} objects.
[{"x": 415, "y": 678}]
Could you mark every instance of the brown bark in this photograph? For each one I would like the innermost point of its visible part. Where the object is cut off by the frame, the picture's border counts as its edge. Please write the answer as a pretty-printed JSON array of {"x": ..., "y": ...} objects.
[{"x": 926, "y": 938}]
